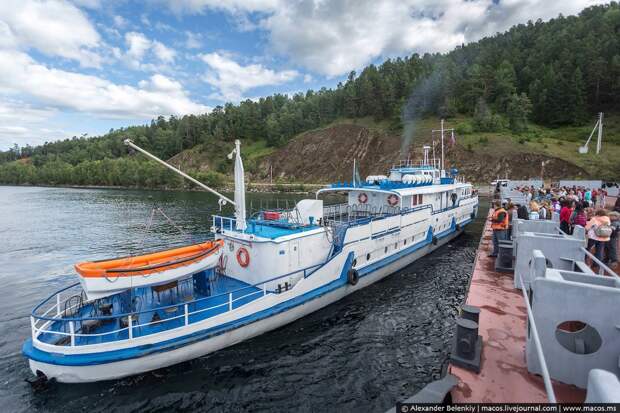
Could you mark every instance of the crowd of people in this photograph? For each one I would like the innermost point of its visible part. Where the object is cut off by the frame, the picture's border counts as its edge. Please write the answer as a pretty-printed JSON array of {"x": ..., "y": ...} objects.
[{"x": 576, "y": 206}]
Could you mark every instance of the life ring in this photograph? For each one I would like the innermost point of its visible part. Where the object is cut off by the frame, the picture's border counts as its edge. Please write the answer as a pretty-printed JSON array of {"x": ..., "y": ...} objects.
[
  {"x": 392, "y": 200},
  {"x": 243, "y": 257},
  {"x": 352, "y": 276},
  {"x": 362, "y": 198}
]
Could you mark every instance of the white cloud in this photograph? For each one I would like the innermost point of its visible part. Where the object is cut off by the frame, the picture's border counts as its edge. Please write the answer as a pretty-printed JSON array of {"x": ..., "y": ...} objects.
[
  {"x": 334, "y": 37},
  {"x": 144, "y": 19},
  {"x": 194, "y": 40},
  {"x": 163, "y": 53},
  {"x": 89, "y": 4},
  {"x": 20, "y": 120},
  {"x": 119, "y": 21},
  {"x": 138, "y": 45},
  {"x": 232, "y": 79},
  {"x": 234, "y": 6},
  {"x": 54, "y": 27},
  {"x": 159, "y": 95}
]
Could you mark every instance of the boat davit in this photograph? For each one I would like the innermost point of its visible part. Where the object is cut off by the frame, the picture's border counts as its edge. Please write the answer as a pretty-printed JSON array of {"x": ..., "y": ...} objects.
[{"x": 107, "y": 277}]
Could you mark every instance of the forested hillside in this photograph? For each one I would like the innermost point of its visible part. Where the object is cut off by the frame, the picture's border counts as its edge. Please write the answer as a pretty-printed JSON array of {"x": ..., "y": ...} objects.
[{"x": 555, "y": 74}]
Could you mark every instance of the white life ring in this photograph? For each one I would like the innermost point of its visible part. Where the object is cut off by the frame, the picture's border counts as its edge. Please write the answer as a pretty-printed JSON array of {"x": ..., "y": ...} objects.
[{"x": 392, "y": 200}]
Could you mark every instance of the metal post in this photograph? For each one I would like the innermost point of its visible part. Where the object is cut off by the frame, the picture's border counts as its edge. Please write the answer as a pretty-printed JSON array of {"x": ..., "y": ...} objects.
[
  {"x": 33, "y": 328},
  {"x": 57, "y": 304},
  {"x": 72, "y": 332},
  {"x": 130, "y": 326},
  {"x": 229, "y": 301},
  {"x": 265, "y": 289},
  {"x": 442, "y": 161},
  {"x": 600, "y": 133},
  {"x": 186, "y": 315}
]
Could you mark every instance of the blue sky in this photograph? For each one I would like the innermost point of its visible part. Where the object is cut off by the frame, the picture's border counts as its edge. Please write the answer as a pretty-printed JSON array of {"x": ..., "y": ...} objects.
[{"x": 70, "y": 67}]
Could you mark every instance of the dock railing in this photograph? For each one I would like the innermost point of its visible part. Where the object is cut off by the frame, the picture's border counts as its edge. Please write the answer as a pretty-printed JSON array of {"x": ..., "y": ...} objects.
[
  {"x": 60, "y": 317},
  {"x": 602, "y": 268},
  {"x": 538, "y": 345}
]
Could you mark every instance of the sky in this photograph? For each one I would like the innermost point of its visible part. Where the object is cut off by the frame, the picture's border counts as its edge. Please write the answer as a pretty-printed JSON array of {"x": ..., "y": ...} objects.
[{"x": 74, "y": 67}]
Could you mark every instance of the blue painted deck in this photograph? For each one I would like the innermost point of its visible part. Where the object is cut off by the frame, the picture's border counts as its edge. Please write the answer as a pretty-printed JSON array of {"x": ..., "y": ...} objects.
[
  {"x": 275, "y": 229},
  {"x": 151, "y": 306}
]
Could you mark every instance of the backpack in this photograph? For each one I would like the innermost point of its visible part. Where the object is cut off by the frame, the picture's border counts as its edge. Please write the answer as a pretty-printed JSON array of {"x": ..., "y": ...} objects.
[{"x": 603, "y": 231}]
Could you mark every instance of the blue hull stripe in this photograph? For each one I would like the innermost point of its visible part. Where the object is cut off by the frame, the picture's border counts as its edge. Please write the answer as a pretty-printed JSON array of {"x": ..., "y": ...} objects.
[{"x": 90, "y": 359}]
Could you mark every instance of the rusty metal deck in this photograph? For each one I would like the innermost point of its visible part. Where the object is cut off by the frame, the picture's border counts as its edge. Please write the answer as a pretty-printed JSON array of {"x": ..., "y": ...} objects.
[{"x": 503, "y": 376}]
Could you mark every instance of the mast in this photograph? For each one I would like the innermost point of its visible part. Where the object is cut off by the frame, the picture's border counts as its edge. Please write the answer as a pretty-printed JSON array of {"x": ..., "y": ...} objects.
[
  {"x": 442, "y": 165},
  {"x": 600, "y": 133},
  {"x": 240, "y": 223},
  {"x": 442, "y": 155}
]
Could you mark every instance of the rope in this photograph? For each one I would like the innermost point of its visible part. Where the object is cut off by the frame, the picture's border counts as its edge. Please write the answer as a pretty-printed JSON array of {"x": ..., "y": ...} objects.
[{"x": 171, "y": 222}]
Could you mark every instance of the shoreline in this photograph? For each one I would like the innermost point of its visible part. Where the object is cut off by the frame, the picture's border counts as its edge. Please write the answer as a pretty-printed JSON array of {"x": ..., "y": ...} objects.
[
  {"x": 250, "y": 188},
  {"x": 257, "y": 187}
]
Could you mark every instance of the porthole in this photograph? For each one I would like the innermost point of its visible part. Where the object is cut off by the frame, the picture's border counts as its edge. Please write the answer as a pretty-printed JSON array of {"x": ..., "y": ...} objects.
[
  {"x": 368, "y": 257},
  {"x": 578, "y": 337}
]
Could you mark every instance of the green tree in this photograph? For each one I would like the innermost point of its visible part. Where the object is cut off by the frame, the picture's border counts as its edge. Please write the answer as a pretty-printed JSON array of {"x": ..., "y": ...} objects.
[{"x": 518, "y": 111}]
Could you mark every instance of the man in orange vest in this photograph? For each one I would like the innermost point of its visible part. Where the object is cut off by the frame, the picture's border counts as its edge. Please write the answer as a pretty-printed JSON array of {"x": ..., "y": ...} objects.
[{"x": 499, "y": 225}]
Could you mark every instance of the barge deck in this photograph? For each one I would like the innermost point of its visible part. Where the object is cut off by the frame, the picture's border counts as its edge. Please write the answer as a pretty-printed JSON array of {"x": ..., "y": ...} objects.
[{"x": 503, "y": 377}]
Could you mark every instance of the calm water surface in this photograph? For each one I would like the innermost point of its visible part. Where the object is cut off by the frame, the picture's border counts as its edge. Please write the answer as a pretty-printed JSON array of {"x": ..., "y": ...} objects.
[{"x": 361, "y": 354}]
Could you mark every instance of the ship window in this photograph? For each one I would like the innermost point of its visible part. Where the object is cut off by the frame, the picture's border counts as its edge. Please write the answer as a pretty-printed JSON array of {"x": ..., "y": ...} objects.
[
  {"x": 386, "y": 250},
  {"x": 405, "y": 242},
  {"x": 396, "y": 245},
  {"x": 368, "y": 257}
]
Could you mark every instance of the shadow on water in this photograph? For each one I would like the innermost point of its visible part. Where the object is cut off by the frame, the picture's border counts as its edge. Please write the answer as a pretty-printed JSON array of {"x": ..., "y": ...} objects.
[{"x": 363, "y": 353}]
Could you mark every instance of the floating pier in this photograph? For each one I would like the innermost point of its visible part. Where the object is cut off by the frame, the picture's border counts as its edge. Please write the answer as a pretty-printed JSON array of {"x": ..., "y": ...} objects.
[{"x": 503, "y": 376}]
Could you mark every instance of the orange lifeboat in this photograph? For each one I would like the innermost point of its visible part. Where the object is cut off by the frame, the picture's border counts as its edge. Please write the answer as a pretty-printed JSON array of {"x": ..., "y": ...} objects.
[{"x": 106, "y": 277}]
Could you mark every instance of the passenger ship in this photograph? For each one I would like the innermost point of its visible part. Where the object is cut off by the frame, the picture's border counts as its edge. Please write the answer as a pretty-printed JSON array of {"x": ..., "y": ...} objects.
[{"x": 272, "y": 268}]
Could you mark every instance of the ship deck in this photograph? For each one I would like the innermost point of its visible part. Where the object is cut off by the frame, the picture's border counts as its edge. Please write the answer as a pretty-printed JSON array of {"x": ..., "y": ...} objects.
[
  {"x": 157, "y": 310},
  {"x": 503, "y": 376}
]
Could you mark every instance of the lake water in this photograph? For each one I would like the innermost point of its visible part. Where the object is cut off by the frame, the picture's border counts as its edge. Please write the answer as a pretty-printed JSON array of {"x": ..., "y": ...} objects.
[{"x": 363, "y": 353}]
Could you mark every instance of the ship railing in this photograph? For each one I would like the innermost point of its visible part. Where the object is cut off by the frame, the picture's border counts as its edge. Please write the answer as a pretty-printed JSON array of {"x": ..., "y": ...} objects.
[
  {"x": 186, "y": 313},
  {"x": 539, "y": 350},
  {"x": 224, "y": 223}
]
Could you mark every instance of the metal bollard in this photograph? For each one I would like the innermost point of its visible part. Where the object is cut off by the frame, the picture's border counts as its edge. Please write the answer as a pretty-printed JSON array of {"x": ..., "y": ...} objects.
[
  {"x": 503, "y": 262},
  {"x": 469, "y": 312},
  {"x": 466, "y": 338},
  {"x": 467, "y": 344}
]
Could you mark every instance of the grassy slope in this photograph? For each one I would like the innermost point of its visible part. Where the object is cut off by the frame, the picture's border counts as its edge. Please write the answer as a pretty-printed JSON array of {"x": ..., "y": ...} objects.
[{"x": 560, "y": 143}]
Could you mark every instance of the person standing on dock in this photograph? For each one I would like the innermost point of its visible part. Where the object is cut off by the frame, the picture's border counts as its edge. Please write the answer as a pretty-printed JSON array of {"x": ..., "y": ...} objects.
[
  {"x": 565, "y": 213},
  {"x": 499, "y": 225},
  {"x": 599, "y": 232}
]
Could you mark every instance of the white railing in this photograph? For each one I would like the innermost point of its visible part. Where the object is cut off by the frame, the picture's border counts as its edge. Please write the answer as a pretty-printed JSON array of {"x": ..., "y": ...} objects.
[
  {"x": 40, "y": 323},
  {"x": 602, "y": 268},
  {"x": 36, "y": 331},
  {"x": 226, "y": 223},
  {"x": 538, "y": 345}
]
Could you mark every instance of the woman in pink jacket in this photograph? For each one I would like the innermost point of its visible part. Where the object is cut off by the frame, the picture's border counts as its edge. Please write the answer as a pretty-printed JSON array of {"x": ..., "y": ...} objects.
[{"x": 599, "y": 231}]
